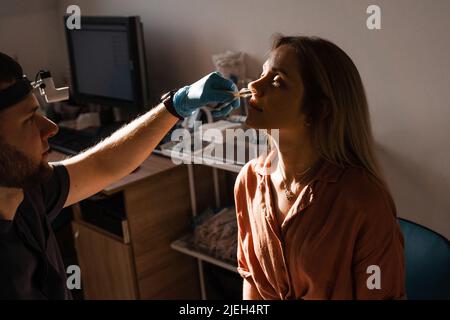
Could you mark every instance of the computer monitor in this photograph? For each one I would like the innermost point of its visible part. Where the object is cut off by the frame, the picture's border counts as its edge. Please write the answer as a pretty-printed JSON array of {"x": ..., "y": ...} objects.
[{"x": 107, "y": 61}]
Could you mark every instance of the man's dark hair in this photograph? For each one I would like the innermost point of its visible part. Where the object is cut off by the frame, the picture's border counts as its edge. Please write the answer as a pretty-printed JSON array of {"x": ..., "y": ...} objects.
[
  {"x": 11, "y": 72},
  {"x": 9, "y": 69}
]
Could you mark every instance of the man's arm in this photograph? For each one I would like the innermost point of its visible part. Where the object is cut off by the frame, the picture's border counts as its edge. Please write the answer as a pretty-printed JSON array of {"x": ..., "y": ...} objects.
[
  {"x": 118, "y": 155},
  {"x": 121, "y": 153}
]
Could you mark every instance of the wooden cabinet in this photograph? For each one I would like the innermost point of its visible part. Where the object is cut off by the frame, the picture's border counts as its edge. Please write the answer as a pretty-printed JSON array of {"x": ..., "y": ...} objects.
[
  {"x": 158, "y": 212},
  {"x": 106, "y": 263}
]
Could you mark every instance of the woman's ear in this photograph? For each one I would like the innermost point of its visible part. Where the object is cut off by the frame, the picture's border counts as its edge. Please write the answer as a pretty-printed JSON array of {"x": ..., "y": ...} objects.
[
  {"x": 320, "y": 111},
  {"x": 325, "y": 109}
]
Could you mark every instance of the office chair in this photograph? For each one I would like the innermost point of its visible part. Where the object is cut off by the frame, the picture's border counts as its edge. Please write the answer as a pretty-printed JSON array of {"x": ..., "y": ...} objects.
[{"x": 427, "y": 259}]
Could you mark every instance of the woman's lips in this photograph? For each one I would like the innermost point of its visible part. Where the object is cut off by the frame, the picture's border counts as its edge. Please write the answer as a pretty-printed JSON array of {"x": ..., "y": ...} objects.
[{"x": 253, "y": 105}]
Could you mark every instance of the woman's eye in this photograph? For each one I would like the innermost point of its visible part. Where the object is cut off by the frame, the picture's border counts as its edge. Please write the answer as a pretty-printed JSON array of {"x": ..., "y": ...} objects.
[{"x": 276, "y": 82}]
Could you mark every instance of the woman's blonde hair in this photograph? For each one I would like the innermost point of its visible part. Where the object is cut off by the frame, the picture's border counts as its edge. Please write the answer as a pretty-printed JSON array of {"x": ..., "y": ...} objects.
[{"x": 335, "y": 103}]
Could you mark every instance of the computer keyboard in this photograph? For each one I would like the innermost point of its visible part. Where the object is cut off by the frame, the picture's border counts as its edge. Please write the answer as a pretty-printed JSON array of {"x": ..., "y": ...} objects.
[{"x": 71, "y": 142}]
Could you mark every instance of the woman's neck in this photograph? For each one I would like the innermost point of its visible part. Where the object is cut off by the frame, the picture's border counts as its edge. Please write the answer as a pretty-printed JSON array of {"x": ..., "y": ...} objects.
[{"x": 295, "y": 156}]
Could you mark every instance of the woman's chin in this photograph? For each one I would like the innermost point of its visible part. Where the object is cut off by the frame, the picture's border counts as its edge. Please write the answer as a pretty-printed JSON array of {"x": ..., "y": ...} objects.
[
  {"x": 259, "y": 124},
  {"x": 253, "y": 123}
]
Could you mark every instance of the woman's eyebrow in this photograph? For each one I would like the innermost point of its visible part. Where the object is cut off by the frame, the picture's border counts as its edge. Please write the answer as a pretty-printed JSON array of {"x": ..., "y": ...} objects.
[
  {"x": 280, "y": 70},
  {"x": 276, "y": 69}
]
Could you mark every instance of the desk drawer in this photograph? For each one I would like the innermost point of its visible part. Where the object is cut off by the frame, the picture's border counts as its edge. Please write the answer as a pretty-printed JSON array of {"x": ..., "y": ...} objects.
[{"x": 106, "y": 213}]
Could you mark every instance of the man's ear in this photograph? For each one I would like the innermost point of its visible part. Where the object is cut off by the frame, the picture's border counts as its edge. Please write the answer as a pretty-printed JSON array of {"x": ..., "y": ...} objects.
[{"x": 6, "y": 84}]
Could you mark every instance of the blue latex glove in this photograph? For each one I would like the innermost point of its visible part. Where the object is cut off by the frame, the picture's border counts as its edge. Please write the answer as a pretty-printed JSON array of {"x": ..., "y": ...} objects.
[{"x": 211, "y": 89}]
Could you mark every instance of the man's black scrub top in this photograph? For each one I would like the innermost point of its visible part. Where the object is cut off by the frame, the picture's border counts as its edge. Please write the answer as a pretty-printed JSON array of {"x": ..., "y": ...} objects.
[{"x": 31, "y": 266}]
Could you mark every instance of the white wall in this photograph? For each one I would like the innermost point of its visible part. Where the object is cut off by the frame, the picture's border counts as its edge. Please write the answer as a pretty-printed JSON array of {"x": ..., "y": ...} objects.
[
  {"x": 30, "y": 32},
  {"x": 404, "y": 66}
]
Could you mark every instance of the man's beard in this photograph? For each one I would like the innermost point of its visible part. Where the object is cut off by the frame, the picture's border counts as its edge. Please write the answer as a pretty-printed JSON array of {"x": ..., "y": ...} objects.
[{"x": 17, "y": 170}]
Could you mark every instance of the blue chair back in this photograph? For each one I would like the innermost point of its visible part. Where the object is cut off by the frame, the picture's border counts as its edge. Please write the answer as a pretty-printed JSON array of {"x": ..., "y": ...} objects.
[{"x": 427, "y": 259}]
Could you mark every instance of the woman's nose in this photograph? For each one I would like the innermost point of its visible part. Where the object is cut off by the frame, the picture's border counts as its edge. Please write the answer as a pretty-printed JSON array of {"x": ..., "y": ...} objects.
[{"x": 255, "y": 87}]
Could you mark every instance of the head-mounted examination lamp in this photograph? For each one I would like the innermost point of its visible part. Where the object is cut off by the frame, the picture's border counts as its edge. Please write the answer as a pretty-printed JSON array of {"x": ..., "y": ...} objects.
[
  {"x": 21, "y": 88},
  {"x": 47, "y": 88}
]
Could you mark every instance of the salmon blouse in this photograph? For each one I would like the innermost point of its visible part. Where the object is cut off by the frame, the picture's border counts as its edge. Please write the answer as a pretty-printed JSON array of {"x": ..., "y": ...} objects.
[{"x": 339, "y": 240}]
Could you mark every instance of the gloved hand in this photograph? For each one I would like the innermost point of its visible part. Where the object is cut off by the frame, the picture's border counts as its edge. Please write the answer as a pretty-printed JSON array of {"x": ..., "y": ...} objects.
[{"x": 211, "y": 89}]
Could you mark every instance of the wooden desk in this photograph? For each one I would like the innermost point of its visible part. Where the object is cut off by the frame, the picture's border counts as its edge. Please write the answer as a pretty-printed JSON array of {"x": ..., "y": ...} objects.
[{"x": 141, "y": 264}]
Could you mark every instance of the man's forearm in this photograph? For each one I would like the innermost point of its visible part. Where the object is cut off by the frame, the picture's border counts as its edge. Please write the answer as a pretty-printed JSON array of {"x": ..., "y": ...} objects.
[
  {"x": 128, "y": 147},
  {"x": 118, "y": 155}
]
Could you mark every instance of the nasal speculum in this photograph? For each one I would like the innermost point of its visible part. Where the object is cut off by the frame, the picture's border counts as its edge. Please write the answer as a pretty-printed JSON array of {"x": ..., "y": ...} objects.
[{"x": 243, "y": 93}]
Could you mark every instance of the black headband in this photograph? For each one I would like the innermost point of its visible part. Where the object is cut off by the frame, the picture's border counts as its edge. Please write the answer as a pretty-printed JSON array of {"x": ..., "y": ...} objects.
[{"x": 15, "y": 93}]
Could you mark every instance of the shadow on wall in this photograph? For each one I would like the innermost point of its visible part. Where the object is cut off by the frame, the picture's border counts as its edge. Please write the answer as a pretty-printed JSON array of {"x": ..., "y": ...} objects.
[
  {"x": 171, "y": 59},
  {"x": 253, "y": 67},
  {"x": 420, "y": 194},
  {"x": 23, "y": 8},
  {"x": 175, "y": 59}
]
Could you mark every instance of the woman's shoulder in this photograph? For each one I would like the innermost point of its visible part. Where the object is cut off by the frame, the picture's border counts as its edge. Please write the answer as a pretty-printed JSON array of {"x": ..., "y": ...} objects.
[
  {"x": 357, "y": 179},
  {"x": 365, "y": 190},
  {"x": 248, "y": 174}
]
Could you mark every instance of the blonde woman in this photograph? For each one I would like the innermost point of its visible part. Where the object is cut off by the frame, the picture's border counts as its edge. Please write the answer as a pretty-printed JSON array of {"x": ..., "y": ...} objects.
[{"x": 315, "y": 217}]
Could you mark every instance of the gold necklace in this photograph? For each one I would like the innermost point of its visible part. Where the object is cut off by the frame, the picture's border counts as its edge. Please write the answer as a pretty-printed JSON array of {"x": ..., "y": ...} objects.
[{"x": 287, "y": 191}]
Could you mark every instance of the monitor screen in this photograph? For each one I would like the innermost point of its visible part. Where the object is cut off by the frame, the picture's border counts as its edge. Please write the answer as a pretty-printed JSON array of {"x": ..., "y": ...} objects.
[
  {"x": 107, "y": 61},
  {"x": 102, "y": 61}
]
